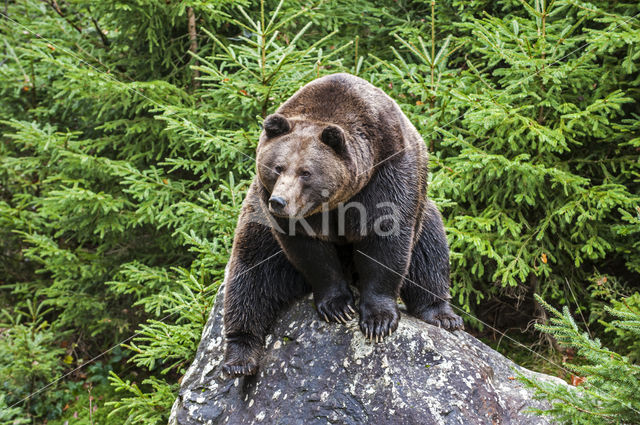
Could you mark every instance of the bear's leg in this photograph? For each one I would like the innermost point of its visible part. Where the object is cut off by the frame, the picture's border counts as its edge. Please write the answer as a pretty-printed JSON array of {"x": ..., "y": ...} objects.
[
  {"x": 425, "y": 291},
  {"x": 320, "y": 264},
  {"x": 260, "y": 284},
  {"x": 381, "y": 262}
]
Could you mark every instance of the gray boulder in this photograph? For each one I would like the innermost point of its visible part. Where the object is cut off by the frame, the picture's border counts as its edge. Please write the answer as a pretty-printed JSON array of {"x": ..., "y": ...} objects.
[{"x": 315, "y": 372}]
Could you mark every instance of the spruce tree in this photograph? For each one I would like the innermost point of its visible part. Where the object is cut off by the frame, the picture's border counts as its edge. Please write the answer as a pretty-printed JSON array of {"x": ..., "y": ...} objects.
[{"x": 608, "y": 383}]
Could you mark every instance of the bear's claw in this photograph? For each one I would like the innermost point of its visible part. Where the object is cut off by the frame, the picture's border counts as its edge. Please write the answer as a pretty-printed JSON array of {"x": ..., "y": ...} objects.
[
  {"x": 241, "y": 356},
  {"x": 240, "y": 370},
  {"x": 338, "y": 308},
  {"x": 442, "y": 316},
  {"x": 379, "y": 321},
  {"x": 240, "y": 367}
]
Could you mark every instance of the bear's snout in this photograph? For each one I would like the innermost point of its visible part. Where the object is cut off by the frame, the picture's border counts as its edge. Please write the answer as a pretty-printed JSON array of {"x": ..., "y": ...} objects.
[{"x": 277, "y": 204}]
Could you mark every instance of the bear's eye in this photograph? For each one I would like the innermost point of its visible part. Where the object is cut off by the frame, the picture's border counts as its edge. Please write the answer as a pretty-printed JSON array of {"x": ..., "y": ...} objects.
[
  {"x": 305, "y": 174},
  {"x": 278, "y": 169}
]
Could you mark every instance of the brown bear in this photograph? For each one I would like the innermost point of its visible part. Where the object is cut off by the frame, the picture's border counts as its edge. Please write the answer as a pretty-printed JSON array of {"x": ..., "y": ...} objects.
[{"x": 339, "y": 199}]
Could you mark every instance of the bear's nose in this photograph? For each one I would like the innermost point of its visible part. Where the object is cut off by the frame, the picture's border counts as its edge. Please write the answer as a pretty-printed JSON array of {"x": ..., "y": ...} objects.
[{"x": 277, "y": 203}]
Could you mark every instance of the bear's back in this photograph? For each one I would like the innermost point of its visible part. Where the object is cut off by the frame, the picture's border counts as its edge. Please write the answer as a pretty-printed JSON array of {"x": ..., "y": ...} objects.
[
  {"x": 338, "y": 98},
  {"x": 359, "y": 108}
]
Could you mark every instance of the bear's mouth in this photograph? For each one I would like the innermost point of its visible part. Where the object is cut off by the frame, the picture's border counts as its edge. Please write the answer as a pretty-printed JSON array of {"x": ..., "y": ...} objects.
[
  {"x": 299, "y": 214},
  {"x": 278, "y": 214},
  {"x": 281, "y": 214}
]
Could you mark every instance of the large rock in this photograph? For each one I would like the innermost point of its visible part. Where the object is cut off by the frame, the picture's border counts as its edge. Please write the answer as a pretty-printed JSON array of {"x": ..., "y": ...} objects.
[{"x": 315, "y": 372}]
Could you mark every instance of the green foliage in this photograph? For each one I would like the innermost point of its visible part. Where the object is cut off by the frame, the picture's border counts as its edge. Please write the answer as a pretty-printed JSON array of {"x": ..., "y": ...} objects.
[
  {"x": 29, "y": 361},
  {"x": 609, "y": 393},
  {"x": 88, "y": 407},
  {"x": 145, "y": 407},
  {"x": 10, "y": 415},
  {"x": 625, "y": 339},
  {"x": 128, "y": 142}
]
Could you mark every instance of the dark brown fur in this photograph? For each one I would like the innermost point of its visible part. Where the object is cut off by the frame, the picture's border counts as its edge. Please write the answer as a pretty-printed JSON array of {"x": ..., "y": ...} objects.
[{"x": 337, "y": 140}]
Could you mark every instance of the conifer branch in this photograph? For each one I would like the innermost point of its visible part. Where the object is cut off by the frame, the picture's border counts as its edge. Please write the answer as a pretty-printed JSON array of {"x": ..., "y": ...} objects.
[
  {"x": 103, "y": 36},
  {"x": 193, "y": 46},
  {"x": 56, "y": 8}
]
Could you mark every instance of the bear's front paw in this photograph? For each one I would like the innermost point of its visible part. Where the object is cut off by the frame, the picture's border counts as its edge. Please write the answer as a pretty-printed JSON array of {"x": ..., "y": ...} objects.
[
  {"x": 379, "y": 318},
  {"x": 241, "y": 359},
  {"x": 442, "y": 316},
  {"x": 336, "y": 307}
]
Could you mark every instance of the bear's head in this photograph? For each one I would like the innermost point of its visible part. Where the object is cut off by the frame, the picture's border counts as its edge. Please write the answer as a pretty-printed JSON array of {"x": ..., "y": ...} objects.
[{"x": 303, "y": 165}]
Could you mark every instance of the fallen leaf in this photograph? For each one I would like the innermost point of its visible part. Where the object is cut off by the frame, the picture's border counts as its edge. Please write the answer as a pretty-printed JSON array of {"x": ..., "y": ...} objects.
[{"x": 577, "y": 380}]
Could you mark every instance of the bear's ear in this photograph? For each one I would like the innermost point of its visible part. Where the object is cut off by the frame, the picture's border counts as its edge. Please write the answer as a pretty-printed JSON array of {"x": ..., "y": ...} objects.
[
  {"x": 333, "y": 136},
  {"x": 276, "y": 125}
]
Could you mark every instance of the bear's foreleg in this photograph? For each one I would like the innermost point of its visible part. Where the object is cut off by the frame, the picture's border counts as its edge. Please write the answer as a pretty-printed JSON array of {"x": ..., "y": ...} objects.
[
  {"x": 381, "y": 262},
  {"x": 320, "y": 264},
  {"x": 260, "y": 284}
]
